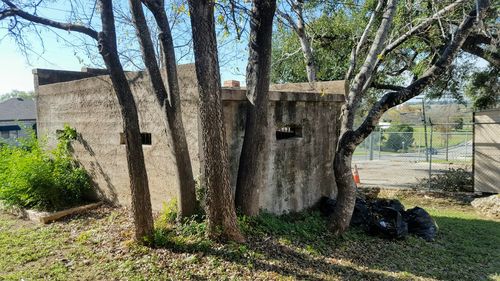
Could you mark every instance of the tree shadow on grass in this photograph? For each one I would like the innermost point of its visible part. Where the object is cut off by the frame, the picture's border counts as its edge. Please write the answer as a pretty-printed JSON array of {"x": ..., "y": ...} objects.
[
  {"x": 284, "y": 245},
  {"x": 465, "y": 249},
  {"x": 268, "y": 255}
]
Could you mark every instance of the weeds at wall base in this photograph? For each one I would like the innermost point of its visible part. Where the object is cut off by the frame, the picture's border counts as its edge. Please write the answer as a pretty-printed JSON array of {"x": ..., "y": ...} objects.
[{"x": 34, "y": 178}]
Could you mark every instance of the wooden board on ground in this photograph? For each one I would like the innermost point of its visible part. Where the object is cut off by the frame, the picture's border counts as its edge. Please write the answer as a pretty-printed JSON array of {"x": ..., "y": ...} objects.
[{"x": 47, "y": 217}]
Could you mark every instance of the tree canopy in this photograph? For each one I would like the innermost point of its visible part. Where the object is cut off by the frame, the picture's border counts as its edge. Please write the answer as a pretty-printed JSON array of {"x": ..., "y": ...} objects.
[{"x": 334, "y": 26}]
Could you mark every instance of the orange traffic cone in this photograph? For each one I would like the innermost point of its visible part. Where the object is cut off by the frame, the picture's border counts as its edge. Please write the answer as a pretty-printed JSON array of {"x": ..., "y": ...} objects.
[{"x": 356, "y": 175}]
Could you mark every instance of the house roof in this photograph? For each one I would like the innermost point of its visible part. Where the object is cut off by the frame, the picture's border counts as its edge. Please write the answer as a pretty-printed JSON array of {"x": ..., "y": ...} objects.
[{"x": 17, "y": 109}]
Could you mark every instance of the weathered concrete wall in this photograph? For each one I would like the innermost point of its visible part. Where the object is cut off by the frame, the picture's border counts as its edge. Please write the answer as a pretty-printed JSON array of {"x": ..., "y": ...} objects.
[
  {"x": 300, "y": 168},
  {"x": 90, "y": 106},
  {"x": 487, "y": 151}
]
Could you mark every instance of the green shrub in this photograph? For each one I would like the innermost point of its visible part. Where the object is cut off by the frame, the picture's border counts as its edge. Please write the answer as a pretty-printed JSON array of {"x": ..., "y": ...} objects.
[
  {"x": 400, "y": 138},
  {"x": 31, "y": 177},
  {"x": 453, "y": 180}
]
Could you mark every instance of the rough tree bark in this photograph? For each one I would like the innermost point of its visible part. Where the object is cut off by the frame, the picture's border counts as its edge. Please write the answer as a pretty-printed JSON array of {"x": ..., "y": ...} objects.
[
  {"x": 170, "y": 104},
  {"x": 222, "y": 223},
  {"x": 253, "y": 164},
  {"x": 141, "y": 202},
  {"x": 351, "y": 138}
]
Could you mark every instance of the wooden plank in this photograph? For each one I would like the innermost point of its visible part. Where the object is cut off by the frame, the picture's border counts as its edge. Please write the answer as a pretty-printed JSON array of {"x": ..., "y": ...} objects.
[{"x": 57, "y": 215}]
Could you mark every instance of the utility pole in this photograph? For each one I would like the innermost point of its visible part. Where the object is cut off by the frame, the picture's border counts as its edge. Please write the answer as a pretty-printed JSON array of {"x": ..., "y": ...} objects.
[
  {"x": 430, "y": 158},
  {"x": 425, "y": 130},
  {"x": 447, "y": 133}
]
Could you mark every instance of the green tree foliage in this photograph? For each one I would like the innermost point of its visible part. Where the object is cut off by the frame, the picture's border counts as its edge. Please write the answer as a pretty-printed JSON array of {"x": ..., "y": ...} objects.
[
  {"x": 333, "y": 26},
  {"x": 484, "y": 88},
  {"x": 16, "y": 94},
  {"x": 31, "y": 177},
  {"x": 400, "y": 137},
  {"x": 332, "y": 42}
]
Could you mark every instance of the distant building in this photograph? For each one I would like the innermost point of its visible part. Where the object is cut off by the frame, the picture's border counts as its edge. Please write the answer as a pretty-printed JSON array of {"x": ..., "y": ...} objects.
[{"x": 16, "y": 115}]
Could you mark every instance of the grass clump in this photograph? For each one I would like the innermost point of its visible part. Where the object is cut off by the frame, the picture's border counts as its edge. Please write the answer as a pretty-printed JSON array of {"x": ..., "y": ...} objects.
[
  {"x": 186, "y": 235},
  {"x": 31, "y": 177}
]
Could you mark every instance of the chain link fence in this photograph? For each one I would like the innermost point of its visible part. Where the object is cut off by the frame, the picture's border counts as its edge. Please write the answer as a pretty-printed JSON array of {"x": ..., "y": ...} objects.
[{"x": 415, "y": 156}]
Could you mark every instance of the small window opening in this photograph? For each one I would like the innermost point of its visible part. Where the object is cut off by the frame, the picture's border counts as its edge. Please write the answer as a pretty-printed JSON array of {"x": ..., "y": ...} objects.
[
  {"x": 145, "y": 138},
  {"x": 289, "y": 131}
]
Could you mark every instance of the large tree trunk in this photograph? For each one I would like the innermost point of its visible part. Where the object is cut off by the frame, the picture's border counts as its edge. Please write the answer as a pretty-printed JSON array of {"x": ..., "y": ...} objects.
[
  {"x": 222, "y": 223},
  {"x": 347, "y": 143},
  {"x": 172, "y": 106},
  {"x": 346, "y": 196},
  {"x": 141, "y": 201},
  {"x": 253, "y": 164},
  {"x": 350, "y": 139}
]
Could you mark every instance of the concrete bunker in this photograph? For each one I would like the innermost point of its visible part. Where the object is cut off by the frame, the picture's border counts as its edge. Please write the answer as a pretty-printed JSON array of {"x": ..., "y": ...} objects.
[{"x": 303, "y": 122}]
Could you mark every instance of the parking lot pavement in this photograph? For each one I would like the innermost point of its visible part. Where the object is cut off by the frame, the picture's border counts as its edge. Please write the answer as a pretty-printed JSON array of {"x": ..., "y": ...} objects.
[{"x": 395, "y": 174}]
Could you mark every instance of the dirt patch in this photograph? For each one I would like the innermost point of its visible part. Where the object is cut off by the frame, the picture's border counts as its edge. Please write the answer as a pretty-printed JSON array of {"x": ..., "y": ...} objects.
[{"x": 489, "y": 206}]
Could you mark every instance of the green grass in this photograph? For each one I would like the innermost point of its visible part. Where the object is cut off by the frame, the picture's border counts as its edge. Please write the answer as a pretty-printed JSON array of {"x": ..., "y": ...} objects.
[
  {"x": 97, "y": 246},
  {"x": 452, "y": 161},
  {"x": 439, "y": 139}
]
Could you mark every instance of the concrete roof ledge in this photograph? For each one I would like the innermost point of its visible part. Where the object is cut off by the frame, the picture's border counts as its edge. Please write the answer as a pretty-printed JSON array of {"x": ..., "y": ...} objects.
[{"x": 309, "y": 96}]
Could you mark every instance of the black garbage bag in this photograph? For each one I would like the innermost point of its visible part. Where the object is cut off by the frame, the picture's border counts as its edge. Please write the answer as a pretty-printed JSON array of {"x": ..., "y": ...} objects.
[
  {"x": 388, "y": 222},
  {"x": 326, "y": 205},
  {"x": 421, "y": 223},
  {"x": 361, "y": 215},
  {"x": 380, "y": 204}
]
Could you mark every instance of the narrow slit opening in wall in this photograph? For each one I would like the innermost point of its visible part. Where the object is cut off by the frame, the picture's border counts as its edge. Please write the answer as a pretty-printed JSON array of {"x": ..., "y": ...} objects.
[
  {"x": 289, "y": 131},
  {"x": 145, "y": 138}
]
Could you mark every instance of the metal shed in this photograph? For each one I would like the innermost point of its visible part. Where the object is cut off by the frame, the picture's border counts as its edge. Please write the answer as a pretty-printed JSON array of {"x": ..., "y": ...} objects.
[{"x": 487, "y": 151}]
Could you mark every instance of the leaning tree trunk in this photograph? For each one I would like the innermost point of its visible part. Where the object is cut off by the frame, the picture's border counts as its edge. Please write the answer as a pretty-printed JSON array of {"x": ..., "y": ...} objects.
[
  {"x": 347, "y": 141},
  {"x": 253, "y": 164},
  {"x": 350, "y": 138},
  {"x": 172, "y": 106},
  {"x": 222, "y": 223},
  {"x": 187, "y": 192},
  {"x": 141, "y": 201},
  {"x": 346, "y": 196}
]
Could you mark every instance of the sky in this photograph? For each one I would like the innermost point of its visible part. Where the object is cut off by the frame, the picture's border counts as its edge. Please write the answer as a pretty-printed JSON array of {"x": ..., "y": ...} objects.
[{"x": 16, "y": 68}]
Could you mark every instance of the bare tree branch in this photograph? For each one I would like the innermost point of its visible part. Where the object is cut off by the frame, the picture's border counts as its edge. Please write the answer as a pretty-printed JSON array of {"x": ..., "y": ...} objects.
[
  {"x": 400, "y": 40},
  {"x": 394, "y": 98},
  {"x": 299, "y": 27},
  {"x": 366, "y": 71},
  {"x": 416, "y": 29},
  {"x": 472, "y": 46},
  {"x": 15, "y": 11},
  {"x": 362, "y": 41}
]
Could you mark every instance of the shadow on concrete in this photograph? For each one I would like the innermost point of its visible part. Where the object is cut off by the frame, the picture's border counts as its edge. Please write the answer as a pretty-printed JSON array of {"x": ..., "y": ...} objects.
[{"x": 110, "y": 195}]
